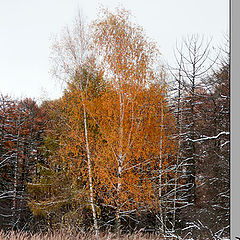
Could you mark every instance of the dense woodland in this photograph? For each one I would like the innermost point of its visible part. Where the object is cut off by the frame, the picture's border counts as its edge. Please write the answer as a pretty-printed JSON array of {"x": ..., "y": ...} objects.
[{"x": 131, "y": 145}]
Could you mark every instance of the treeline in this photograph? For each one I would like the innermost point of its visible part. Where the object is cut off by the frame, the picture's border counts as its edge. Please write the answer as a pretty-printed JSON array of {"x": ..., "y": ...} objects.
[{"x": 129, "y": 146}]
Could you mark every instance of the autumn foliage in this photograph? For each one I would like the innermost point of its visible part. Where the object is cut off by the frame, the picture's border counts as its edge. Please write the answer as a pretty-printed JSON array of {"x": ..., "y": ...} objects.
[{"x": 117, "y": 152}]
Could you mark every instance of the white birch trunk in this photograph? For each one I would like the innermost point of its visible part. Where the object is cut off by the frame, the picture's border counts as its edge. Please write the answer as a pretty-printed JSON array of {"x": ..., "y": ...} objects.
[
  {"x": 120, "y": 161},
  {"x": 95, "y": 224},
  {"x": 161, "y": 222}
]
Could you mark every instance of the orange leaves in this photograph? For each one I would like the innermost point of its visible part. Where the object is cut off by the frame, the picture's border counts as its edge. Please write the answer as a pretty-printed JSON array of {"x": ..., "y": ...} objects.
[
  {"x": 126, "y": 53},
  {"x": 119, "y": 99},
  {"x": 129, "y": 112},
  {"x": 139, "y": 143}
]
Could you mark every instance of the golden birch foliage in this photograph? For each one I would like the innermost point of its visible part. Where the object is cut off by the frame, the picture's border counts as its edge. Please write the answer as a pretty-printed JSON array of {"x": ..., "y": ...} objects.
[
  {"x": 126, "y": 52},
  {"x": 141, "y": 148},
  {"x": 128, "y": 113},
  {"x": 72, "y": 144},
  {"x": 127, "y": 117}
]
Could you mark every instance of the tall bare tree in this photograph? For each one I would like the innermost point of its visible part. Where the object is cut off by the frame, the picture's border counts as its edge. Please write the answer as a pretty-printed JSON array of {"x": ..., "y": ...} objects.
[
  {"x": 196, "y": 103},
  {"x": 194, "y": 63}
]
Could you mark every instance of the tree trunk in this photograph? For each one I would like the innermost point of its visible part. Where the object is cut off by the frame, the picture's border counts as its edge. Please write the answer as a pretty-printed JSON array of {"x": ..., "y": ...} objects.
[{"x": 95, "y": 224}]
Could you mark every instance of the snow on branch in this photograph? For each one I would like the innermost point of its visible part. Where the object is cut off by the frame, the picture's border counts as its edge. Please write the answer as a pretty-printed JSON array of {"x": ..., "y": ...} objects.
[{"x": 208, "y": 138}]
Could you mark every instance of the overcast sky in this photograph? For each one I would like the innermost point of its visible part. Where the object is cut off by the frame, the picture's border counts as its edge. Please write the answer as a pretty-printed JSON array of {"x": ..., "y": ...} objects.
[{"x": 27, "y": 26}]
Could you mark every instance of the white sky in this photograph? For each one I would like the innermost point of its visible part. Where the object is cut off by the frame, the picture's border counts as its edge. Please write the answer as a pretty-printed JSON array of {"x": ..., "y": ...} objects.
[{"x": 26, "y": 28}]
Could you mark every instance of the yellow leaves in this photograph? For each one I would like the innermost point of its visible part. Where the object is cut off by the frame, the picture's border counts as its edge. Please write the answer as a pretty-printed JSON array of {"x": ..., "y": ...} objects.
[
  {"x": 140, "y": 146},
  {"x": 124, "y": 48},
  {"x": 128, "y": 122}
]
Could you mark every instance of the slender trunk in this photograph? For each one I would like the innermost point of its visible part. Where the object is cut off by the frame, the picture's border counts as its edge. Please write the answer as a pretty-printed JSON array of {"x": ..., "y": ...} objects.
[
  {"x": 119, "y": 188},
  {"x": 95, "y": 224},
  {"x": 192, "y": 167},
  {"x": 3, "y": 125},
  {"x": 120, "y": 163},
  {"x": 179, "y": 112},
  {"x": 161, "y": 220}
]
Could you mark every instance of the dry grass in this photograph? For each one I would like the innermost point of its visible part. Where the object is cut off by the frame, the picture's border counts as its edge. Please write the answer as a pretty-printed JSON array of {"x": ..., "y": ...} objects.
[{"x": 60, "y": 235}]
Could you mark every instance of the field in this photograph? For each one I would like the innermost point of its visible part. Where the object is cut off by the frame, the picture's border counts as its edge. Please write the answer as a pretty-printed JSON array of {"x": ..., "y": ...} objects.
[{"x": 69, "y": 236}]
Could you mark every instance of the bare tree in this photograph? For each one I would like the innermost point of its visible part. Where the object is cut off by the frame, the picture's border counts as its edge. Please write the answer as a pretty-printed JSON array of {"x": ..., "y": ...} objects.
[
  {"x": 20, "y": 141},
  {"x": 199, "y": 135},
  {"x": 194, "y": 63}
]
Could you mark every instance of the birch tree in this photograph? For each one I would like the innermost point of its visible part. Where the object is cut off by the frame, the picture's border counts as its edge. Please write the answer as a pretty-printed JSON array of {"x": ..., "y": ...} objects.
[
  {"x": 128, "y": 59},
  {"x": 70, "y": 56},
  {"x": 116, "y": 128}
]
